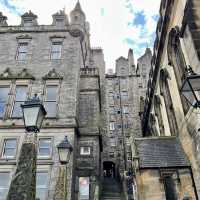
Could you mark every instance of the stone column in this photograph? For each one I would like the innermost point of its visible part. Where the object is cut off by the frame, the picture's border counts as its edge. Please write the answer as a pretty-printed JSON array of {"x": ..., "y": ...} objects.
[
  {"x": 61, "y": 186},
  {"x": 23, "y": 185}
]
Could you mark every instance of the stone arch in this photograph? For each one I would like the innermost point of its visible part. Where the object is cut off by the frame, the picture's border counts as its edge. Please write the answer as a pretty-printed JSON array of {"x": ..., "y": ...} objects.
[
  {"x": 177, "y": 61},
  {"x": 109, "y": 169},
  {"x": 165, "y": 92},
  {"x": 157, "y": 108}
]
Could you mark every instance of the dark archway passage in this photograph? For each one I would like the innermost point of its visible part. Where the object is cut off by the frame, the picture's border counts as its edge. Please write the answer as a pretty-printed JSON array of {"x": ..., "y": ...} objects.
[{"x": 109, "y": 169}]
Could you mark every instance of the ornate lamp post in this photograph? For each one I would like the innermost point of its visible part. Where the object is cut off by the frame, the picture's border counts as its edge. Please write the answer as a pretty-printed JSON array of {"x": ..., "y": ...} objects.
[
  {"x": 64, "y": 152},
  {"x": 191, "y": 87},
  {"x": 23, "y": 185}
]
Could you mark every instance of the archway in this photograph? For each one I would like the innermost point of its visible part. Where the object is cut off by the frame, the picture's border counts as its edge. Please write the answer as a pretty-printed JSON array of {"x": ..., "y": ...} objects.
[{"x": 109, "y": 169}]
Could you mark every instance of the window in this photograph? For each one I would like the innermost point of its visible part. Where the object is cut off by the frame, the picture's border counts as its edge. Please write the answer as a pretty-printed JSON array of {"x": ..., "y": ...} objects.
[
  {"x": 112, "y": 142},
  {"x": 51, "y": 100},
  {"x": 22, "y": 51},
  {"x": 169, "y": 186},
  {"x": 4, "y": 184},
  {"x": 28, "y": 22},
  {"x": 119, "y": 126},
  {"x": 124, "y": 95},
  {"x": 41, "y": 185},
  {"x": 56, "y": 50},
  {"x": 44, "y": 147},
  {"x": 126, "y": 125},
  {"x": 85, "y": 150},
  {"x": 84, "y": 188},
  {"x": 125, "y": 110},
  {"x": 3, "y": 99},
  {"x": 112, "y": 126},
  {"x": 9, "y": 148},
  {"x": 20, "y": 97}
]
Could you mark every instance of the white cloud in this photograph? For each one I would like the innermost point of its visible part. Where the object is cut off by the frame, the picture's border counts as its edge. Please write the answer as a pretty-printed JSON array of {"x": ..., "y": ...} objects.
[{"x": 109, "y": 28}]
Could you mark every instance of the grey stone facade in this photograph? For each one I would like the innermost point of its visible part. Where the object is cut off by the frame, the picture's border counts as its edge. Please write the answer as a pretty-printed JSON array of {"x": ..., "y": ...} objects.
[
  {"x": 77, "y": 73},
  {"x": 123, "y": 91}
]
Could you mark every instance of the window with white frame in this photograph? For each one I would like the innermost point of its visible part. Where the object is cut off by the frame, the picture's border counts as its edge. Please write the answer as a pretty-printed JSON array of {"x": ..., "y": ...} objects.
[
  {"x": 112, "y": 142},
  {"x": 112, "y": 126},
  {"x": 44, "y": 147},
  {"x": 9, "y": 148},
  {"x": 124, "y": 95},
  {"x": 41, "y": 185},
  {"x": 50, "y": 102},
  {"x": 22, "y": 51},
  {"x": 125, "y": 109},
  {"x": 85, "y": 150},
  {"x": 4, "y": 91},
  {"x": 4, "y": 184},
  {"x": 56, "y": 50},
  {"x": 20, "y": 97}
]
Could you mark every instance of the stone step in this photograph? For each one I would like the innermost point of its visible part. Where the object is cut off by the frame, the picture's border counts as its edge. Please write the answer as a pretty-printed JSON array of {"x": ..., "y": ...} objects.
[{"x": 111, "y": 190}]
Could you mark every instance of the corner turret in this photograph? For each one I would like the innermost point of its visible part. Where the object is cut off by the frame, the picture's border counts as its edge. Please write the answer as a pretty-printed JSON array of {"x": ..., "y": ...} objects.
[{"x": 77, "y": 15}]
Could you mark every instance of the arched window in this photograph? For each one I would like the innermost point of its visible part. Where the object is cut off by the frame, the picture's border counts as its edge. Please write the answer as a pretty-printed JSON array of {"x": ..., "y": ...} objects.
[
  {"x": 152, "y": 125},
  {"x": 165, "y": 92},
  {"x": 157, "y": 108},
  {"x": 177, "y": 61}
]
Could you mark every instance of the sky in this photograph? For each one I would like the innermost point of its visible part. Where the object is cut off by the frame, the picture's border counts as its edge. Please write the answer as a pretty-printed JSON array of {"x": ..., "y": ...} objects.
[{"x": 115, "y": 25}]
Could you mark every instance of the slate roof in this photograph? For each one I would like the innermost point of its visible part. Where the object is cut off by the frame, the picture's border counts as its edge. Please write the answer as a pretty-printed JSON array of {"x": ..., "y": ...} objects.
[{"x": 161, "y": 152}]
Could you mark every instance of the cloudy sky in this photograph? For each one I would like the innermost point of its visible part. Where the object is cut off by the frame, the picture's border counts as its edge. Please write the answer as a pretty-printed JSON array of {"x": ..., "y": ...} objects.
[{"x": 116, "y": 25}]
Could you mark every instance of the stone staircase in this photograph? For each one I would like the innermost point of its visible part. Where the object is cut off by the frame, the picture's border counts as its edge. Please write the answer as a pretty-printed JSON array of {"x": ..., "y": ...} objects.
[{"x": 111, "y": 190}]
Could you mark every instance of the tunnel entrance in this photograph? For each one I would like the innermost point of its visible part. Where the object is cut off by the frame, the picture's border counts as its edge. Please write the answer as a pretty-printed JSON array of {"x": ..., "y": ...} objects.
[{"x": 109, "y": 169}]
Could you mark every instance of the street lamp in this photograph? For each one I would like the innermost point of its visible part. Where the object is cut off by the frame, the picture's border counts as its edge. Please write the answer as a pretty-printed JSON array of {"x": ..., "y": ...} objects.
[
  {"x": 23, "y": 184},
  {"x": 33, "y": 114},
  {"x": 191, "y": 87},
  {"x": 64, "y": 152}
]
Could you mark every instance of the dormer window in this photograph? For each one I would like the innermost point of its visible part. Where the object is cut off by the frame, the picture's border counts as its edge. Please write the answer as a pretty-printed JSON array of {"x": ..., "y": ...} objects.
[
  {"x": 28, "y": 22},
  {"x": 29, "y": 19}
]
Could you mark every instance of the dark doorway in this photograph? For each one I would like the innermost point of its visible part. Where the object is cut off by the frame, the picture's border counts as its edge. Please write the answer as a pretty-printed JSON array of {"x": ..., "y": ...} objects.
[{"x": 109, "y": 169}]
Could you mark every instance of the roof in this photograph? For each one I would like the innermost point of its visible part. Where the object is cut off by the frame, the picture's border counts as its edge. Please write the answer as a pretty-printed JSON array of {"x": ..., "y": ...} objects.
[{"x": 161, "y": 152}]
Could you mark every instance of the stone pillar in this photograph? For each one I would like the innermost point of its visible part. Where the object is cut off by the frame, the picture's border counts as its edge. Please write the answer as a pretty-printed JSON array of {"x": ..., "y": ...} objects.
[
  {"x": 61, "y": 186},
  {"x": 23, "y": 185}
]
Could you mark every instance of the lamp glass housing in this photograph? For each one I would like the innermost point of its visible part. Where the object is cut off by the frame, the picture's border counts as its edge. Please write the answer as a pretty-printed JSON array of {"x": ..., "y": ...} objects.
[
  {"x": 33, "y": 115},
  {"x": 64, "y": 155},
  {"x": 64, "y": 151},
  {"x": 190, "y": 89}
]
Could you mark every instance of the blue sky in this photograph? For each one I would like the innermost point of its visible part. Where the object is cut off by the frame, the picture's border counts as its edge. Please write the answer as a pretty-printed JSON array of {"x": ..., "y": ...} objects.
[{"x": 115, "y": 25}]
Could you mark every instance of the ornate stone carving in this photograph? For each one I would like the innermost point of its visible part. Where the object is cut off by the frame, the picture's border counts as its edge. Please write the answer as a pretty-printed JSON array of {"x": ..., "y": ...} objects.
[
  {"x": 24, "y": 75},
  {"x": 24, "y": 36},
  {"x": 53, "y": 74},
  {"x": 6, "y": 74},
  {"x": 60, "y": 190},
  {"x": 23, "y": 184}
]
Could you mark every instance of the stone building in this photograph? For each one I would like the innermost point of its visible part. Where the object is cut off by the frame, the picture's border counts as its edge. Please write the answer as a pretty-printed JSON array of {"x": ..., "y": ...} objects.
[
  {"x": 101, "y": 113},
  {"x": 167, "y": 114},
  {"x": 124, "y": 89},
  {"x": 56, "y": 62}
]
